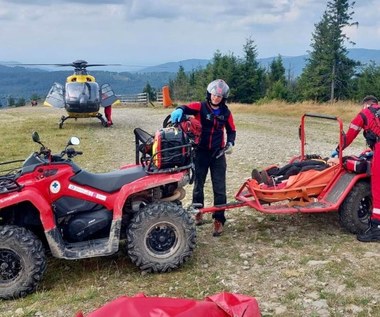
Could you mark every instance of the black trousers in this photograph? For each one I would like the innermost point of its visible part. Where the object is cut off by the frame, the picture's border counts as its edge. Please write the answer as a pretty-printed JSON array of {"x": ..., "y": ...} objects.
[
  {"x": 206, "y": 160},
  {"x": 297, "y": 167}
]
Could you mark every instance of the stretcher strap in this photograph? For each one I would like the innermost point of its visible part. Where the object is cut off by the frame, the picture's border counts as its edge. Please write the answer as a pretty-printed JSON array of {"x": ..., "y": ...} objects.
[{"x": 303, "y": 199}]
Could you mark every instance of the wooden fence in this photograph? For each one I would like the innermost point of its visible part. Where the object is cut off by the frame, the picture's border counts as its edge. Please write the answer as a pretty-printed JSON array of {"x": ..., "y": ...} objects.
[
  {"x": 159, "y": 96},
  {"x": 142, "y": 98}
]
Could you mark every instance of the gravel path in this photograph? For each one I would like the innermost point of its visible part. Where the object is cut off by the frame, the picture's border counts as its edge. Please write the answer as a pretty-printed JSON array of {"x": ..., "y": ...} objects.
[{"x": 295, "y": 265}]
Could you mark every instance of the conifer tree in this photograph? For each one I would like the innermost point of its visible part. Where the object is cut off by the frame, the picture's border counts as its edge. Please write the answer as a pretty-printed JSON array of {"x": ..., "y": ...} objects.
[
  {"x": 150, "y": 91},
  {"x": 368, "y": 82},
  {"x": 180, "y": 86},
  {"x": 327, "y": 74},
  {"x": 276, "y": 82},
  {"x": 251, "y": 81}
]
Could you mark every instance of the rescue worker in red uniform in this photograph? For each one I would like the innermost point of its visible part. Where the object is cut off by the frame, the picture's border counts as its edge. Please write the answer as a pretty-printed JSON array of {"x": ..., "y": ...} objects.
[
  {"x": 367, "y": 120},
  {"x": 216, "y": 119},
  {"x": 108, "y": 115}
]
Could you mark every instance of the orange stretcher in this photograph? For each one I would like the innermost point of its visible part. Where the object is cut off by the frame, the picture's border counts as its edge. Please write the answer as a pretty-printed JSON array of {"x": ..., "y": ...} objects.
[{"x": 302, "y": 187}]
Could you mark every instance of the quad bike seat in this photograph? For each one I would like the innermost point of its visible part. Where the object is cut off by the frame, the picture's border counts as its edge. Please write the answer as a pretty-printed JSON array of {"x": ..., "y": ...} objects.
[{"x": 109, "y": 182}]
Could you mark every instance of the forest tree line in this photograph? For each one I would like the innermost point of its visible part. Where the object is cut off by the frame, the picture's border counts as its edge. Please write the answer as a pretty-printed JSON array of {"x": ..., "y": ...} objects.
[{"x": 329, "y": 75}]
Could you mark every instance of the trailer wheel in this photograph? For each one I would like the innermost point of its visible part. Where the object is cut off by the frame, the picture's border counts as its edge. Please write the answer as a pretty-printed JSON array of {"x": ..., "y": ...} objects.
[
  {"x": 22, "y": 262},
  {"x": 355, "y": 211},
  {"x": 161, "y": 237}
]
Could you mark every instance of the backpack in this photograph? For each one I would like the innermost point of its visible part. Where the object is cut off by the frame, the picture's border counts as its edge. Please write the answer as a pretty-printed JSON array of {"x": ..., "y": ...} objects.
[
  {"x": 171, "y": 148},
  {"x": 192, "y": 128},
  {"x": 357, "y": 164}
]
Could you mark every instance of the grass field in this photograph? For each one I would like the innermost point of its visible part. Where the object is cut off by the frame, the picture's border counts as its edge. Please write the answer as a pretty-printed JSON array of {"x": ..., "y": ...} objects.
[{"x": 295, "y": 265}]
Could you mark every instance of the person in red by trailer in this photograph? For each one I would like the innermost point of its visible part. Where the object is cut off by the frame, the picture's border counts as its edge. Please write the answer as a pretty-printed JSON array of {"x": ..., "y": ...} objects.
[
  {"x": 216, "y": 119},
  {"x": 368, "y": 120}
]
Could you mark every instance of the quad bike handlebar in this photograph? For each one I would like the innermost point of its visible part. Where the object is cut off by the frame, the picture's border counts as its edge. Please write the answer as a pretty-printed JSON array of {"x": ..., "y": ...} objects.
[
  {"x": 70, "y": 152},
  {"x": 44, "y": 155}
]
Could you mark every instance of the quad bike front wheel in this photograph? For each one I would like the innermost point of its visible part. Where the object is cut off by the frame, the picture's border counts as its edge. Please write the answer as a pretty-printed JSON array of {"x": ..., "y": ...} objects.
[
  {"x": 355, "y": 211},
  {"x": 22, "y": 262},
  {"x": 161, "y": 237}
]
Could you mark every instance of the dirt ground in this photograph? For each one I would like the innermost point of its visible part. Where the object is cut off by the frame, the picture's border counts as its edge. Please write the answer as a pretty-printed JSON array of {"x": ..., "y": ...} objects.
[{"x": 294, "y": 265}]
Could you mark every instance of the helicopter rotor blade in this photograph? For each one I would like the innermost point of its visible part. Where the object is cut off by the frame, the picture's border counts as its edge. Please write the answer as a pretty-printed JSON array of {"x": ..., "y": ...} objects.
[
  {"x": 76, "y": 64},
  {"x": 91, "y": 65}
]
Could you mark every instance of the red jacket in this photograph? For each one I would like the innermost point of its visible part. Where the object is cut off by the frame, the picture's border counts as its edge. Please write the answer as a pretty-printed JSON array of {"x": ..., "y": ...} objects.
[
  {"x": 212, "y": 136},
  {"x": 366, "y": 120}
]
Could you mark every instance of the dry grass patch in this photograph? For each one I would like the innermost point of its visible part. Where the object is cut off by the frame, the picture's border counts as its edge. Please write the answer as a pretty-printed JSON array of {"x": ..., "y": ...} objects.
[{"x": 295, "y": 265}]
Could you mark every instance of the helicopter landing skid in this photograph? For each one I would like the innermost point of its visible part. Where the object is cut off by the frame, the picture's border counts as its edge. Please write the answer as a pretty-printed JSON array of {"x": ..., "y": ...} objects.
[
  {"x": 104, "y": 122},
  {"x": 98, "y": 115},
  {"x": 63, "y": 119}
]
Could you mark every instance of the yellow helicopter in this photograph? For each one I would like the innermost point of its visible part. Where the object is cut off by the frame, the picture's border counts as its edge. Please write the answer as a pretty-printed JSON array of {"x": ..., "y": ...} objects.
[{"x": 81, "y": 95}]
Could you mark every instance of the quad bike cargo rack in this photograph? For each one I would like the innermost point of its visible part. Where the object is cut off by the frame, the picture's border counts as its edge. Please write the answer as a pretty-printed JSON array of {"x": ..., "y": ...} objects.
[{"x": 8, "y": 177}]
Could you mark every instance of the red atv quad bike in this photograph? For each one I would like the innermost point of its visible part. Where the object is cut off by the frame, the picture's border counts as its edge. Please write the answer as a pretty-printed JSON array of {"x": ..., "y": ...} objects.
[
  {"x": 342, "y": 188},
  {"x": 50, "y": 203}
]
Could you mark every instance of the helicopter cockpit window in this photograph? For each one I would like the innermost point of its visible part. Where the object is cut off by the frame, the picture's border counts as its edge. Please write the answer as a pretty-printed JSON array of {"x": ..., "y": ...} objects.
[{"x": 75, "y": 90}]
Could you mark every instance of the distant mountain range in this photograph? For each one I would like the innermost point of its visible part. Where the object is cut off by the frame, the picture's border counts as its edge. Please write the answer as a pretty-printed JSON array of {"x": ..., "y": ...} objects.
[
  {"x": 173, "y": 67},
  {"x": 18, "y": 81},
  {"x": 293, "y": 64}
]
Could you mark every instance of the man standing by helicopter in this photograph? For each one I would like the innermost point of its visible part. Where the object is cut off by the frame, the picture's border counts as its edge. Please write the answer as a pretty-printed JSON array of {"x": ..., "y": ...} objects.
[
  {"x": 80, "y": 95},
  {"x": 108, "y": 115}
]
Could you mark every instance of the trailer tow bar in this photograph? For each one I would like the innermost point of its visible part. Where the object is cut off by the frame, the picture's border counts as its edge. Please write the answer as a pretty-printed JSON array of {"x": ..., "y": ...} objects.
[{"x": 198, "y": 208}]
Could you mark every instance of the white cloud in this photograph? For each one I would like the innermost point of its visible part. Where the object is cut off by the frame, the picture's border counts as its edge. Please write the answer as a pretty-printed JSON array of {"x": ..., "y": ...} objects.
[{"x": 148, "y": 32}]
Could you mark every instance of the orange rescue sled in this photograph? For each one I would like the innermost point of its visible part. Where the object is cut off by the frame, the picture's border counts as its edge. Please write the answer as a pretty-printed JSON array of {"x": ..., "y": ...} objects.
[
  {"x": 301, "y": 187},
  {"x": 333, "y": 189}
]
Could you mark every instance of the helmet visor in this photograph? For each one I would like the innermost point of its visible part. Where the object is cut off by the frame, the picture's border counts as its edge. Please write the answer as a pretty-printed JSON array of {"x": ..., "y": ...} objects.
[{"x": 218, "y": 88}]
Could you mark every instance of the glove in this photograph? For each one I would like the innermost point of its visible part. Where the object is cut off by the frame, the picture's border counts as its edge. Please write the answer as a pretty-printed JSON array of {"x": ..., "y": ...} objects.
[
  {"x": 366, "y": 154},
  {"x": 334, "y": 153},
  {"x": 369, "y": 154},
  {"x": 176, "y": 115},
  {"x": 228, "y": 148}
]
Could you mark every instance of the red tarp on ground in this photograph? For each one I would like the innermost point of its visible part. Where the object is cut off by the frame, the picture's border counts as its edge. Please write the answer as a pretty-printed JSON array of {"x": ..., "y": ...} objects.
[{"x": 218, "y": 305}]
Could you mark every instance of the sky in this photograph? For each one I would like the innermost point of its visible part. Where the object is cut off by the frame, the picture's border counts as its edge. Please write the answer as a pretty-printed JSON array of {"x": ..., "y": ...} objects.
[{"x": 141, "y": 33}]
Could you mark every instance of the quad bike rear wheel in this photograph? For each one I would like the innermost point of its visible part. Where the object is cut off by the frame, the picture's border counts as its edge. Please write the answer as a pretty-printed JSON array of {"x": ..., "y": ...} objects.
[
  {"x": 161, "y": 237},
  {"x": 355, "y": 211},
  {"x": 22, "y": 262}
]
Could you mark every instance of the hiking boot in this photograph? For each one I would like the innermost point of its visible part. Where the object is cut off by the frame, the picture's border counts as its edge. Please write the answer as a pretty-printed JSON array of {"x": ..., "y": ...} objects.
[
  {"x": 199, "y": 219},
  {"x": 256, "y": 175},
  {"x": 218, "y": 228},
  {"x": 267, "y": 180},
  {"x": 372, "y": 233}
]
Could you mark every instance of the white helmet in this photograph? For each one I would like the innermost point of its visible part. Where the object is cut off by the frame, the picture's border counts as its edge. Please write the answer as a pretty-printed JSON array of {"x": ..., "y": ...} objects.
[{"x": 219, "y": 88}]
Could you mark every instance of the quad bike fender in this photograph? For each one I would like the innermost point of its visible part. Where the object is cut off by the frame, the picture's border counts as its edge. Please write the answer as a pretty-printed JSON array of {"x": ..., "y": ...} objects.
[
  {"x": 145, "y": 183},
  {"x": 338, "y": 191},
  {"x": 86, "y": 250},
  {"x": 34, "y": 197}
]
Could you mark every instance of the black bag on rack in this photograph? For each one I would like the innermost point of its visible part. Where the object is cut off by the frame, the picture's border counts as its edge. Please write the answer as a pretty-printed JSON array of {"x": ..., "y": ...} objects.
[{"x": 171, "y": 148}]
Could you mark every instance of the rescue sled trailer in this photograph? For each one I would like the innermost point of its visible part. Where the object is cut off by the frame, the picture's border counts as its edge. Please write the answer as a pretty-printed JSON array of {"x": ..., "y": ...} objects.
[{"x": 335, "y": 189}]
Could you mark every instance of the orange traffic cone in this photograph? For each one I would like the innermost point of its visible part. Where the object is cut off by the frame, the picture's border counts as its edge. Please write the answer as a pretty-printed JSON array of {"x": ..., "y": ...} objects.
[{"x": 166, "y": 100}]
